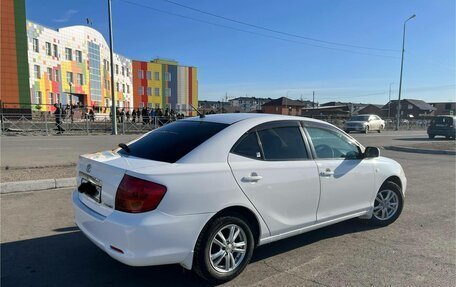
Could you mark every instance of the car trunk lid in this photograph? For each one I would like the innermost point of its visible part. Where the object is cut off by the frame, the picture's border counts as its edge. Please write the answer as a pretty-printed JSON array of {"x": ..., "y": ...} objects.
[{"x": 99, "y": 175}]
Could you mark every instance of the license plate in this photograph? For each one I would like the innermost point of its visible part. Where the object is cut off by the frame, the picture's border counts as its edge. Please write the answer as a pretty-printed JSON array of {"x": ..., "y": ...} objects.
[{"x": 90, "y": 186}]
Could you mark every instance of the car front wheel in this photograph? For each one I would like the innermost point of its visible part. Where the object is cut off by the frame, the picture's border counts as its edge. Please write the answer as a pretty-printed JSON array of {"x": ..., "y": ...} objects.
[
  {"x": 388, "y": 204},
  {"x": 224, "y": 248},
  {"x": 366, "y": 129}
]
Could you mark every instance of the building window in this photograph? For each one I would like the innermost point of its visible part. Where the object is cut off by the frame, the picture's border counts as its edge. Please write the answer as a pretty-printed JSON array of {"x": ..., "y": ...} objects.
[
  {"x": 149, "y": 75},
  {"x": 140, "y": 91},
  {"x": 81, "y": 79},
  {"x": 168, "y": 76},
  {"x": 117, "y": 86},
  {"x": 157, "y": 91},
  {"x": 149, "y": 91},
  {"x": 128, "y": 72},
  {"x": 168, "y": 92},
  {"x": 57, "y": 75},
  {"x": 109, "y": 85},
  {"x": 49, "y": 72},
  {"x": 69, "y": 78},
  {"x": 48, "y": 49},
  {"x": 36, "y": 46},
  {"x": 157, "y": 76},
  {"x": 128, "y": 89},
  {"x": 117, "y": 69},
  {"x": 78, "y": 56},
  {"x": 51, "y": 98},
  {"x": 123, "y": 88},
  {"x": 38, "y": 97},
  {"x": 56, "y": 50},
  {"x": 37, "y": 72},
  {"x": 410, "y": 107},
  {"x": 57, "y": 100},
  {"x": 140, "y": 74},
  {"x": 123, "y": 71},
  {"x": 68, "y": 54}
]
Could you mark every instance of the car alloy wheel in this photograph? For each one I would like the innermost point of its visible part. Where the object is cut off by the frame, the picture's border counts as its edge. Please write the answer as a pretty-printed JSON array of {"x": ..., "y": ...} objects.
[
  {"x": 224, "y": 248},
  {"x": 228, "y": 248},
  {"x": 386, "y": 204}
]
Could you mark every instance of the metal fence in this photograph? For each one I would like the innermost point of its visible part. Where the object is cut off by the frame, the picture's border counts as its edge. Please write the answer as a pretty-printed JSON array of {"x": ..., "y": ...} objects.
[
  {"x": 390, "y": 123},
  {"x": 48, "y": 124}
]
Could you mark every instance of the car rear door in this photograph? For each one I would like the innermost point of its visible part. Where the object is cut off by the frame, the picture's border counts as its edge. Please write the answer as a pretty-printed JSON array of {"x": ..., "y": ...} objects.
[
  {"x": 272, "y": 165},
  {"x": 346, "y": 180}
]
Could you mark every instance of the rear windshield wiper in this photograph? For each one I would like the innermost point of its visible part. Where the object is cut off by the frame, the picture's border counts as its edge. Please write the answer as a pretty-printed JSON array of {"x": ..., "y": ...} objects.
[{"x": 124, "y": 147}]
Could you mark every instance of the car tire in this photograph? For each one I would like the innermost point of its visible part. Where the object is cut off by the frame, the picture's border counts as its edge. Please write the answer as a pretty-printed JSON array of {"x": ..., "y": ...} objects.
[
  {"x": 366, "y": 130},
  {"x": 380, "y": 129},
  {"x": 431, "y": 136},
  {"x": 388, "y": 204},
  {"x": 206, "y": 266}
]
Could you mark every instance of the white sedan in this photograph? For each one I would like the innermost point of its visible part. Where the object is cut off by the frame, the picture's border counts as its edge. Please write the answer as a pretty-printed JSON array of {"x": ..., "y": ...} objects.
[{"x": 204, "y": 192}]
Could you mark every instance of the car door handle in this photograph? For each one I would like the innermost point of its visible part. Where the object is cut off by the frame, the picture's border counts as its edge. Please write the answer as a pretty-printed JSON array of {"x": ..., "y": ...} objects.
[
  {"x": 327, "y": 173},
  {"x": 253, "y": 177}
]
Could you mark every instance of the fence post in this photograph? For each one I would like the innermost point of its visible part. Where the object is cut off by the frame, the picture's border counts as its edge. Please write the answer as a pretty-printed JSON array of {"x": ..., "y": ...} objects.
[
  {"x": 87, "y": 119},
  {"x": 123, "y": 125},
  {"x": 46, "y": 123}
]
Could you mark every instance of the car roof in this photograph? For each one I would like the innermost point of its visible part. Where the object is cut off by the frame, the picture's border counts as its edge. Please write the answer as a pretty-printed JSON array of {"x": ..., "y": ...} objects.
[{"x": 231, "y": 118}]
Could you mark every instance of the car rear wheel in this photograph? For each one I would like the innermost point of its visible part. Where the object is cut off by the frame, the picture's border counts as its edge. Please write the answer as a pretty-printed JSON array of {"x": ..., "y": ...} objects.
[
  {"x": 388, "y": 204},
  {"x": 224, "y": 248},
  {"x": 431, "y": 136}
]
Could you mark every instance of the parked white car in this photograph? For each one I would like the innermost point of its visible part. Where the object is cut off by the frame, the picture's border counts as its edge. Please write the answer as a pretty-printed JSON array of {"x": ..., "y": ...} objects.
[
  {"x": 204, "y": 192},
  {"x": 364, "y": 123}
]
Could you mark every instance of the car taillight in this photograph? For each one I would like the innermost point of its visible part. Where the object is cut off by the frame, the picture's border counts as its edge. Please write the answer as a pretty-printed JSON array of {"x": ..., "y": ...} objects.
[{"x": 136, "y": 195}]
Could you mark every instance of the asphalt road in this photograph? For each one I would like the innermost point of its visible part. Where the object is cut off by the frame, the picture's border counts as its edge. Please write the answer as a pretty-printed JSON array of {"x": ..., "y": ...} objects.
[
  {"x": 44, "y": 151},
  {"x": 42, "y": 247}
]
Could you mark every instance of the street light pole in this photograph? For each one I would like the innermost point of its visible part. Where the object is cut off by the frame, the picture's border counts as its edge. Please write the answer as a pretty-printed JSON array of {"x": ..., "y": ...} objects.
[
  {"x": 111, "y": 47},
  {"x": 398, "y": 107},
  {"x": 389, "y": 101}
]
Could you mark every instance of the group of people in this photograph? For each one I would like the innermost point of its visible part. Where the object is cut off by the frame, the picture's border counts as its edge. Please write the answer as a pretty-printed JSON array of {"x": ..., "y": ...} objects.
[{"x": 146, "y": 115}]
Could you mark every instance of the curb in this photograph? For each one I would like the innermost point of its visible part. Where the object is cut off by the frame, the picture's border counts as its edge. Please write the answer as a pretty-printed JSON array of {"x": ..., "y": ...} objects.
[
  {"x": 35, "y": 185},
  {"x": 420, "y": 150}
]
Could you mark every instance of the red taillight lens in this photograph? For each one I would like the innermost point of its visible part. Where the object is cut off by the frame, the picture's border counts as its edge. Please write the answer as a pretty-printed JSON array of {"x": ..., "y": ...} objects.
[{"x": 138, "y": 195}]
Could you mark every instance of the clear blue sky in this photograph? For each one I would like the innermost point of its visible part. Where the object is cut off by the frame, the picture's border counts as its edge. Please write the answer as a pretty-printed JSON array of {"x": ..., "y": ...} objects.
[{"x": 240, "y": 63}]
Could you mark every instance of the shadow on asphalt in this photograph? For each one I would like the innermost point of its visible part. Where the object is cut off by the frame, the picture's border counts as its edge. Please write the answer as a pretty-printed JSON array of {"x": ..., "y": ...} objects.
[{"x": 70, "y": 259}]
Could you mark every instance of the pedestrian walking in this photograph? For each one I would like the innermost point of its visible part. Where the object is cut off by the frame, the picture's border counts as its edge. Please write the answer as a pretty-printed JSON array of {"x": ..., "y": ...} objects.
[{"x": 58, "y": 119}]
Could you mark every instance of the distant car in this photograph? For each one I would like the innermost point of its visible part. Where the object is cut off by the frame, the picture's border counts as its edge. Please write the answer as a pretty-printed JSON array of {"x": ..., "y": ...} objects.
[
  {"x": 204, "y": 192},
  {"x": 364, "y": 123},
  {"x": 442, "y": 126}
]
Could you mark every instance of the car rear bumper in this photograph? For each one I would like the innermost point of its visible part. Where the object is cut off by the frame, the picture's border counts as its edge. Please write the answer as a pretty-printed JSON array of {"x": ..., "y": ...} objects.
[
  {"x": 441, "y": 132},
  {"x": 151, "y": 238}
]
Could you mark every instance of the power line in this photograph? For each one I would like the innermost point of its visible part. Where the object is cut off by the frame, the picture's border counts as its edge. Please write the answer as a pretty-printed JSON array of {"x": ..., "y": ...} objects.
[
  {"x": 278, "y": 31},
  {"x": 251, "y": 32}
]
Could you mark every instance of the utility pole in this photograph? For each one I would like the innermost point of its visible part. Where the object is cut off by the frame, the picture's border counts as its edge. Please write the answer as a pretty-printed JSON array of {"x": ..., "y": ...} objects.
[
  {"x": 111, "y": 47},
  {"x": 389, "y": 101},
  {"x": 398, "y": 115}
]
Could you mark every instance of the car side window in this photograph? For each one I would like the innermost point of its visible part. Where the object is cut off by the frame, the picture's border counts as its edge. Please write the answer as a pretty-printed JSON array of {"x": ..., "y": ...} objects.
[
  {"x": 283, "y": 143},
  {"x": 248, "y": 146},
  {"x": 332, "y": 144}
]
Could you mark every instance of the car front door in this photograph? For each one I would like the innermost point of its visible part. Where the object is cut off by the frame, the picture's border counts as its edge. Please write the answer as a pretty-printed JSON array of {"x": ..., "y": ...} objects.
[
  {"x": 346, "y": 180},
  {"x": 272, "y": 165}
]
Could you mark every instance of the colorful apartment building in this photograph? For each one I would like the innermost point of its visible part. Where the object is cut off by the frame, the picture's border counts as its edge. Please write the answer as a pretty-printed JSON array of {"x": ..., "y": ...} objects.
[
  {"x": 41, "y": 66},
  {"x": 14, "y": 87},
  {"x": 165, "y": 84},
  {"x": 71, "y": 66}
]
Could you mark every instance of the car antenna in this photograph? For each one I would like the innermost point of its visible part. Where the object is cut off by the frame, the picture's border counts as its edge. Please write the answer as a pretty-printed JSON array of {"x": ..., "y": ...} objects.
[{"x": 199, "y": 114}]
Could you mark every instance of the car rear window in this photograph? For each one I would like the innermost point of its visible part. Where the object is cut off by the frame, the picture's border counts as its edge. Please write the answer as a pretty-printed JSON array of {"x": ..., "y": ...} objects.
[
  {"x": 173, "y": 141},
  {"x": 442, "y": 121}
]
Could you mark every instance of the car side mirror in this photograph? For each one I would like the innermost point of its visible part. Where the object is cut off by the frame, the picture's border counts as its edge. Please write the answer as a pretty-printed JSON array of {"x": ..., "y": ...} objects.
[{"x": 371, "y": 152}]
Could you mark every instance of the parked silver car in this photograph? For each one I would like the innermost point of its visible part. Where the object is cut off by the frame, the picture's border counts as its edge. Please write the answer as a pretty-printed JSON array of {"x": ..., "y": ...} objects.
[{"x": 364, "y": 123}]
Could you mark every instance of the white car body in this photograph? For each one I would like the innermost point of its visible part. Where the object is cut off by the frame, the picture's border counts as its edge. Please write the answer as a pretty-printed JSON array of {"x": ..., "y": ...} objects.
[
  {"x": 289, "y": 198},
  {"x": 370, "y": 123}
]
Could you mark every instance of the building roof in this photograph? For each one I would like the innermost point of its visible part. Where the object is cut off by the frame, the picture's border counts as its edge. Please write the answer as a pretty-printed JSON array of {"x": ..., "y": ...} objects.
[
  {"x": 420, "y": 104},
  {"x": 250, "y": 98},
  {"x": 284, "y": 101}
]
